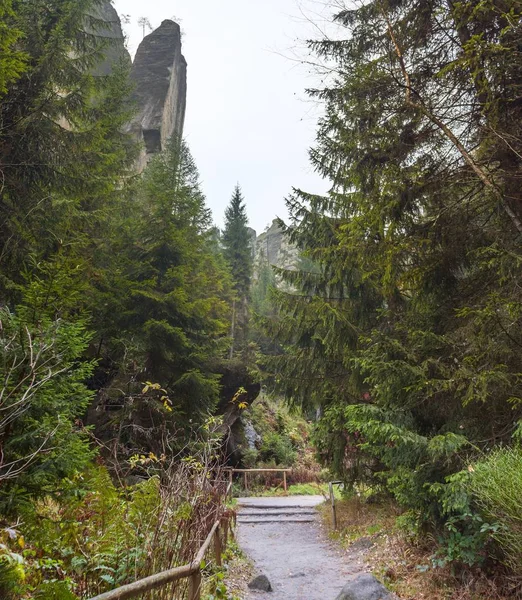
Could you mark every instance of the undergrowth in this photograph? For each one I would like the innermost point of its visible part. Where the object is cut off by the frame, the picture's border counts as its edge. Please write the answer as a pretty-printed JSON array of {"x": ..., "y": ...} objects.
[
  {"x": 94, "y": 535},
  {"x": 407, "y": 564}
]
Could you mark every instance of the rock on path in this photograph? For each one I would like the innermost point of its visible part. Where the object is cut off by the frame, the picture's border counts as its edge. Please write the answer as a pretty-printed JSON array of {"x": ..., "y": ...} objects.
[{"x": 284, "y": 538}]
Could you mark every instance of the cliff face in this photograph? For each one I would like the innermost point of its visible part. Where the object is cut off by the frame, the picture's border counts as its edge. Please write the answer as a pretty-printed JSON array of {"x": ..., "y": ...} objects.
[
  {"x": 159, "y": 74},
  {"x": 112, "y": 31},
  {"x": 273, "y": 246}
]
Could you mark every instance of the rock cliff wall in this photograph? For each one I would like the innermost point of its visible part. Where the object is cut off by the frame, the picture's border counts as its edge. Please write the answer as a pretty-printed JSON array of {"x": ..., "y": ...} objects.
[
  {"x": 159, "y": 74},
  {"x": 273, "y": 246},
  {"x": 112, "y": 31}
]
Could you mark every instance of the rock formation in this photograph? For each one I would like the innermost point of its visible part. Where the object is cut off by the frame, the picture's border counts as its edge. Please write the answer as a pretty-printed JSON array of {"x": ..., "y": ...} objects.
[
  {"x": 159, "y": 74},
  {"x": 112, "y": 31},
  {"x": 273, "y": 247}
]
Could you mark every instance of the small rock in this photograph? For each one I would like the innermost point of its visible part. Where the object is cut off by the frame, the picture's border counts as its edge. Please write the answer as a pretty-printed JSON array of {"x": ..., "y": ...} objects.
[
  {"x": 365, "y": 587},
  {"x": 260, "y": 583},
  {"x": 294, "y": 575}
]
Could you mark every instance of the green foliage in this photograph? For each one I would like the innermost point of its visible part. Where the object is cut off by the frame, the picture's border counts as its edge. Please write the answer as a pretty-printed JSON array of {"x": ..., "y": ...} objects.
[
  {"x": 12, "y": 61},
  {"x": 55, "y": 591},
  {"x": 407, "y": 330},
  {"x": 106, "y": 282},
  {"x": 283, "y": 441},
  {"x": 238, "y": 254},
  {"x": 43, "y": 394},
  {"x": 496, "y": 485},
  {"x": 166, "y": 298},
  {"x": 11, "y": 576},
  {"x": 237, "y": 246},
  {"x": 62, "y": 130},
  {"x": 278, "y": 449}
]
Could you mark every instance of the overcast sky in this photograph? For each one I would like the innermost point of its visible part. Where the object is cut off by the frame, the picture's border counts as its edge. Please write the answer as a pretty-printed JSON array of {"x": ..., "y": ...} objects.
[{"x": 248, "y": 117}]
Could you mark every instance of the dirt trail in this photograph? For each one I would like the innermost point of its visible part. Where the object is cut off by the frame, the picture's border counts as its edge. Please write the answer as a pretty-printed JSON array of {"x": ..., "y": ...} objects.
[{"x": 285, "y": 540}]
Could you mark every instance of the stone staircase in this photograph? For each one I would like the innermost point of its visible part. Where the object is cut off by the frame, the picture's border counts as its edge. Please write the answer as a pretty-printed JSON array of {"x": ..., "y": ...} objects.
[{"x": 251, "y": 513}]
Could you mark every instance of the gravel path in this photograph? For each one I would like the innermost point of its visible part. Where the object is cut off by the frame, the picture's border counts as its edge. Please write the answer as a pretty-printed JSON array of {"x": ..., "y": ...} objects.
[{"x": 291, "y": 549}]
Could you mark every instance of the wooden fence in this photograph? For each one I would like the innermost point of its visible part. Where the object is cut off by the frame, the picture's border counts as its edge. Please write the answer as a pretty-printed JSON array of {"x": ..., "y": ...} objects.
[
  {"x": 218, "y": 538},
  {"x": 246, "y": 472}
]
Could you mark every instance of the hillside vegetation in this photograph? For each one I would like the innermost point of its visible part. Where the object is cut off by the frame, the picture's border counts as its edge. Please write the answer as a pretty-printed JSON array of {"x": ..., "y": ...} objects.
[
  {"x": 406, "y": 329},
  {"x": 134, "y": 335}
]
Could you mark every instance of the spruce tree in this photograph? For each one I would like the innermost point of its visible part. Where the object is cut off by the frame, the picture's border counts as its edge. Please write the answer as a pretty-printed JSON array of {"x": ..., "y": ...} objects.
[
  {"x": 164, "y": 306},
  {"x": 237, "y": 243},
  {"x": 63, "y": 158},
  {"x": 63, "y": 152},
  {"x": 411, "y": 328},
  {"x": 237, "y": 249}
]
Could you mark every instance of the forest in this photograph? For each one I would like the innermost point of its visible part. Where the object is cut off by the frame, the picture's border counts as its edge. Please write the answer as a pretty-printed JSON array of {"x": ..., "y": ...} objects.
[{"x": 129, "y": 323}]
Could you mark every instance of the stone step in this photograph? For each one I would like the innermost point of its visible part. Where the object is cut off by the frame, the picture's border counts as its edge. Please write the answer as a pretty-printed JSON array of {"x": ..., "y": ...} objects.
[
  {"x": 275, "y": 512},
  {"x": 279, "y": 507},
  {"x": 247, "y": 520}
]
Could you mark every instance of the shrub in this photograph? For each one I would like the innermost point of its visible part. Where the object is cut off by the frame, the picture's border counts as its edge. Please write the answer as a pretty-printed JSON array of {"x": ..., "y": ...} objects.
[
  {"x": 496, "y": 485},
  {"x": 277, "y": 448}
]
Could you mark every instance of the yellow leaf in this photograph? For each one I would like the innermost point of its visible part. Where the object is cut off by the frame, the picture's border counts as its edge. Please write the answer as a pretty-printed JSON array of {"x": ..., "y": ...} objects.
[{"x": 21, "y": 541}]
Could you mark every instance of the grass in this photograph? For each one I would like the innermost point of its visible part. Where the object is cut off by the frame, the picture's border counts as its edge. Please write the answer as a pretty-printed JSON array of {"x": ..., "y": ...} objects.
[
  {"x": 496, "y": 483},
  {"x": 298, "y": 489}
]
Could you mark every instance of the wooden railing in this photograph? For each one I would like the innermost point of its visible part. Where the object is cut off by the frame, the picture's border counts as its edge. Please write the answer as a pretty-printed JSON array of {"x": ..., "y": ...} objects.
[
  {"x": 218, "y": 538},
  {"x": 246, "y": 472}
]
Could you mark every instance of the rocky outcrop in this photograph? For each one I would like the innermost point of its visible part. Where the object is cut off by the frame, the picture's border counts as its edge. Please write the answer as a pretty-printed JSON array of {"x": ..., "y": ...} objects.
[
  {"x": 274, "y": 247},
  {"x": 107, "y": 24},
  {"x": 159, "y": 74},
  {"x": 238, "y": 433}
]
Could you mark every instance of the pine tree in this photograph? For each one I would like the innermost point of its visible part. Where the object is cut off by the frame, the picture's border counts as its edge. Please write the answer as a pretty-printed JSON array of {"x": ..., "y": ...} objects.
[{"x": 237, "y": 249}]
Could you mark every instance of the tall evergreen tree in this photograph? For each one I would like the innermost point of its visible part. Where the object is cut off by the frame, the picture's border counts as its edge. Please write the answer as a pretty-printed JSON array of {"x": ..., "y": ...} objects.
[
  {"x": 237, "y": 249},
  {"x": 63, "y": 152},
  {"x": 412, "y": 327},
  {"x": 63, "y": 157},
  {"x": 163, "y": 307},
  {"x": 237, "y": 243}
]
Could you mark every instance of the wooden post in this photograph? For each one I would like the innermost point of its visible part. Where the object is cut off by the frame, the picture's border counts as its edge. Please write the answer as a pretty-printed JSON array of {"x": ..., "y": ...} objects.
[
  {"x": 246, "y": 481},
  {"x": 284, "y": 481},
  {"x": 195, "y": 586},
  {"x": 224, "y": 523},
  {"x": 334, "y": 511},
  {"x": 217, "y": 548},
  {"x": 232, "y": 525},
  {"x": 231, "y": 475}
]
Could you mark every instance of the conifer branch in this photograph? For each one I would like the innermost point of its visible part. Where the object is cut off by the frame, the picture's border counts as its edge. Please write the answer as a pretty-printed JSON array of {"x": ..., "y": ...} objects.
[{"x": 420, "y": 105}]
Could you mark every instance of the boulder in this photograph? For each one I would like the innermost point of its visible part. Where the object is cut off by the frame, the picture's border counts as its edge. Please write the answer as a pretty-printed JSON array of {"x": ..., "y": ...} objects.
[
  {"x": 260, "y": 583},
  {"x": 365, "y": 587}
]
